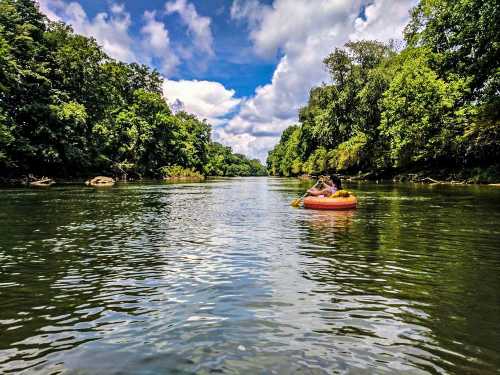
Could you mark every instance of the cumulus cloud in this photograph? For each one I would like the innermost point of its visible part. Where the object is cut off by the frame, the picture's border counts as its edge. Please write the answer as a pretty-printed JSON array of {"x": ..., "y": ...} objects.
[
  {"x": 303, "y": 32},
  {"x": 206, "y": 99},
  {"x": 153, "y": 45},
  {"x": 246, "y": 144},
  {"x": 250, "y": 11},
  {"x": 48, "y": 7},
  {"x": 198, "y": 26},
  {"x": 384, "y": 20},
  {"x": 157, "y": 41},
  {"x": 111, "y": 30},
  {"x": 288, "y": 22}
]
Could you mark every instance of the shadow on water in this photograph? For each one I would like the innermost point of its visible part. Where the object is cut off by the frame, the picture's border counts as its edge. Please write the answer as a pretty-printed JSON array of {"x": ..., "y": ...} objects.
[
  {"x": 414, "y": 271},
  {"x": 224, "y": 276}
]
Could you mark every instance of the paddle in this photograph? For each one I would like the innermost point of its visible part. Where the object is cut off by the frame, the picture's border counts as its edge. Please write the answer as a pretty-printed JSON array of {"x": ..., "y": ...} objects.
[{"x": 296, "y": 202}]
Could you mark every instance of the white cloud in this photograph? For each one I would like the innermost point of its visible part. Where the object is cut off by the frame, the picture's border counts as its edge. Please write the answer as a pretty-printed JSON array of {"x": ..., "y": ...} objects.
[
  {"x": 304, "y": 32},
  {"x": 111, "y": 30},
  {"x": 157, "y": 41},
  {"x": 206, "y": 99},
  {"x": 290, "y": 22},
  {"x": 384, "y": 20},
  {"x": 246, "y": 144},
  {"x": 47, "y": 7},
  {"x": 198, "y": 26},
  {"x": 250, "y": 11}
]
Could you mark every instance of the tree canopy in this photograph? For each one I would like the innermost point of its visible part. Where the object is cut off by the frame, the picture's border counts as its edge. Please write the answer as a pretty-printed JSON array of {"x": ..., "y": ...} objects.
[
  {"x": 435, "y": 104},
  {"x": 68, "y": 109}
]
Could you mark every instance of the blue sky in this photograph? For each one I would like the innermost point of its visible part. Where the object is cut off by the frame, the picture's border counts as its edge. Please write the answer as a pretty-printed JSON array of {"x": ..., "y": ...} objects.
[
  {"x": 233, "y": 64},
  {"x": 245, "y": 65}
]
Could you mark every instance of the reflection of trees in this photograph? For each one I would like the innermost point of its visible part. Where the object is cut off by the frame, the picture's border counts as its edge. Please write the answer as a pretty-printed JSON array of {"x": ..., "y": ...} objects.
[
  {"x": 406, "y": 249},
  {"x": 328, "y": 224},
  {"x": 73, "y": 262},
  {"x": 332, "y": 220}
]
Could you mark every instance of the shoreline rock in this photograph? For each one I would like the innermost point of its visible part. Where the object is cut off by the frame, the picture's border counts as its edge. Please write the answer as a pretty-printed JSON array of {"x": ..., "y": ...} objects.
[
  {"x": 101, "y": 181},
  {"x": 42, "y": 182}
]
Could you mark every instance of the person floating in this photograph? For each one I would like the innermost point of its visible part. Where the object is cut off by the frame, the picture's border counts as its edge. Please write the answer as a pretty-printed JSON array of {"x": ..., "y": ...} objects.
[
  {"x": 328, "y": 192},
  {"x": 330, "y": 196},
  {"x": 328, "y": 186}
]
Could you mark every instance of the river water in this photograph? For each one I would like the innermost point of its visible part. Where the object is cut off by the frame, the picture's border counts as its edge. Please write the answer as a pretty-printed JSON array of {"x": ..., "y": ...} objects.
[{"x": 225, "y": 277}]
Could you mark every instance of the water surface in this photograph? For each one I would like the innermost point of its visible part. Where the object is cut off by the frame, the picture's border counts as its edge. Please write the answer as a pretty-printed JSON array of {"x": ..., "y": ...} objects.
[{"x": 226, "y": 277}]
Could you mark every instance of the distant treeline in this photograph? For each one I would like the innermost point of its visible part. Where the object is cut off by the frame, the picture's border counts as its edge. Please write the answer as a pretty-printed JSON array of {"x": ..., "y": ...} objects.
[
  {"x": 433, "y": 105},
  {"x": 68, "y": 109}
]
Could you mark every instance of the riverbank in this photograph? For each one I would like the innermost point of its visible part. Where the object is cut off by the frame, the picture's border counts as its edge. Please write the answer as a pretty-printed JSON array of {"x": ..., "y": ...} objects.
[
  {"x": 479, "y": 176},
  {"x": 23, "y": 182}
]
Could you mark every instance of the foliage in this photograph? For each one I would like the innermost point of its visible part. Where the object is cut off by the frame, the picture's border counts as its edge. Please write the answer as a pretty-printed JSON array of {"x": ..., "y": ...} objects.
[
  {"x": 349, "y": 154},
  {"x": 317, "y": 162},
  {"x": 419, "y": 114},
  {"x": 285, "y": 159},
  {"x": 178, "y": 171},
  {"x": 464, "y": 36},
  {"x": 68, "y": 109},
  {"x": 432, "y": 105},
  {"x": 222, "y": 162}
]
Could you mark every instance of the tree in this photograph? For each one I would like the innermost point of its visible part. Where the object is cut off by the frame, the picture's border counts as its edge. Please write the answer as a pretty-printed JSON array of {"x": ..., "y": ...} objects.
[
  {"x": 66, "y": 108},
  {"x": 433, "y": 105},
  {"x": 419, "y": 115}
]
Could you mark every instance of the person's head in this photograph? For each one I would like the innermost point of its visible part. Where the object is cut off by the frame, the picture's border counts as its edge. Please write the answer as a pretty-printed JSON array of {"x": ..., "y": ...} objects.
[
  {"x": 326, "y": 180},
  {"x": 336, "y": 181}
]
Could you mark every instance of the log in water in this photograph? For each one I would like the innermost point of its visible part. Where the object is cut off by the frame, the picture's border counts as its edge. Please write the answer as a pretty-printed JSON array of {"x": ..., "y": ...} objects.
[{"x": 224, "y": 276}]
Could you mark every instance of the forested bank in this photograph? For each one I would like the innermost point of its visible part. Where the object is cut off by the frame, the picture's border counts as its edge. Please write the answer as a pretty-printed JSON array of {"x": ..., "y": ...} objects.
[
  {"x": 431, "y": 107},
  {"x": 69, "y": 110}
]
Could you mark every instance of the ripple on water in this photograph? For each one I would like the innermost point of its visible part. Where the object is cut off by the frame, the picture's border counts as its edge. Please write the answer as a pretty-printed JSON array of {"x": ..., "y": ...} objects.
[{"x": 226, "y": 277}]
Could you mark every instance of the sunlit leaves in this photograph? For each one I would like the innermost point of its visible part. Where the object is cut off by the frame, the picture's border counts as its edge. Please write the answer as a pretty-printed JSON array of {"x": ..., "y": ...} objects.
[
  {"x": 67, "y": 108},
  {"x": 434, "y": 104}
]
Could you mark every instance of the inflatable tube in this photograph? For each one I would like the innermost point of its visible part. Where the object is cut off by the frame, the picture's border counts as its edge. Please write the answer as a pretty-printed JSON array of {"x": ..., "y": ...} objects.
[{"x": 325, "y": 203}]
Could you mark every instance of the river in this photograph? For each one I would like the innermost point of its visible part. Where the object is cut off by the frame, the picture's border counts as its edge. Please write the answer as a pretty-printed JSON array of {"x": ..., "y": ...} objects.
[{"x": 225, "y": 277}]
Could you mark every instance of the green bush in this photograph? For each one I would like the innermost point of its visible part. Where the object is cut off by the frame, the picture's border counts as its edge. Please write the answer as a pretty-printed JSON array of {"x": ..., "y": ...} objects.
[
  {"x": 176, "y": 171},
  {"x": 349, "y": 154}
]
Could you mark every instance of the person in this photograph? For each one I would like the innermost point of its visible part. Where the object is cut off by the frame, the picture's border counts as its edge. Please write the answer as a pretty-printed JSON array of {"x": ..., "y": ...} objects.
[
  {"x": 336, "y": 180},
  {"x": 329, "y": 186}
]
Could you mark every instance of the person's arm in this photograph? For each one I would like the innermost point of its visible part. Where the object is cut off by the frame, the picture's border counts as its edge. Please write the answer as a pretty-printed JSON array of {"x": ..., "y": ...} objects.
[
  {"x": 322, "y": 187},
  {"x": 316, "y": 192},
  {"x": 326, "y": 191}
]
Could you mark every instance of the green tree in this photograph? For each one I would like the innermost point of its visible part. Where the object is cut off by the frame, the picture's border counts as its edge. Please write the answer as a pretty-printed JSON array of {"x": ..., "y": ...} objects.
[
  {"x": 419, "y": 115},
  {"x": 66, "y": 108},
  {"x": 434, "y": 105}
]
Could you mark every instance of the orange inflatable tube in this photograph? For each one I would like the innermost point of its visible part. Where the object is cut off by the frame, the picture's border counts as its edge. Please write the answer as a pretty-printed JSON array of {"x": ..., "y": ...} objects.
[{"x": 326, "y": 203}]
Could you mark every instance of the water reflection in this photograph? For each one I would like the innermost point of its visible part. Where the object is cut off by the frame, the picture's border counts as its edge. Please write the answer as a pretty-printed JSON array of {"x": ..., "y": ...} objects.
[
  {"x": 225, "y": 276},
  {"x": 404, "y": 281}
]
